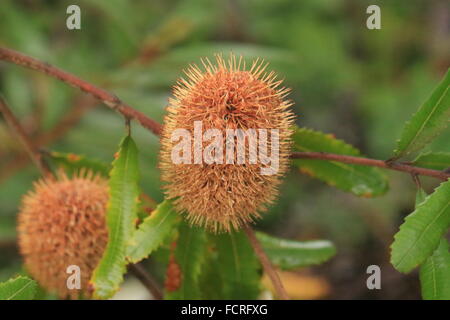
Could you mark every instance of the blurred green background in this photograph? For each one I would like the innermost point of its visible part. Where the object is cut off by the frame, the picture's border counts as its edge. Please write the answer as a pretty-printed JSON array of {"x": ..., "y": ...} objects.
[{"x": 359, "y": 84}]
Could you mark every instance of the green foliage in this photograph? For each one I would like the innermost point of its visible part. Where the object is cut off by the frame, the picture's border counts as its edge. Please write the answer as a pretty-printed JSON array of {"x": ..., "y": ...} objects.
[
  {"x": 289, "y": 254},
  {"x": 435, "y": 274},
  {"x": 189, "y": 255},
  {"x": 121, "y": 218},
  {"x": 433, "y": 160},
  {"x": 239, "y": 268},
  {"x": 428, "y": 122},
  {"x": 20, "y": 288},
  {"x": 422, "y": 230},
  {"x": 152, "y": 232},
  {"x": 73, "y": 163},
  {"x": 359, "y": 180}
]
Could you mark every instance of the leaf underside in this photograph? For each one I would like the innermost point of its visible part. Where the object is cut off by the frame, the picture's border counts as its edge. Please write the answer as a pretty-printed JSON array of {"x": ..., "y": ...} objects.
[{"x": 289, "y": 254}]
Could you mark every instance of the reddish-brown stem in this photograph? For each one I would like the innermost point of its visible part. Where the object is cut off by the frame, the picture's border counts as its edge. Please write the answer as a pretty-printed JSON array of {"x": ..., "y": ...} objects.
[
  {"x": 22, "y": 136},
  {"x": 398, "y": 166},
  {"x": 267, "y": 265},
  {"x": 107, "y": 98},
  {"x": 146, "y": 279}
]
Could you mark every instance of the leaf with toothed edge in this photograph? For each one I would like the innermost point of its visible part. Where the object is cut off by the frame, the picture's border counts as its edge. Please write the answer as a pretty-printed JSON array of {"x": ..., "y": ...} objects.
[
  {"x": 422, "y": 230},
  {"x": 120, "y": 218},
  {"x": 153, "y": 232},
  {"x": 360, "y": 180},
  {"x": 428, "y": 122}
]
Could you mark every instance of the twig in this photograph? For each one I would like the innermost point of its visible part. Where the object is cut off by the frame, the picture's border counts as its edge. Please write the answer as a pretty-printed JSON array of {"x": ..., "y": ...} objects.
[
  {"x": 398, "y": 166},
  {"x": 267, "y": 265},
  {"x": 145, "y": 278},
  {"x": 22, "y": 136},
  {"x": 107, "y": 98}
]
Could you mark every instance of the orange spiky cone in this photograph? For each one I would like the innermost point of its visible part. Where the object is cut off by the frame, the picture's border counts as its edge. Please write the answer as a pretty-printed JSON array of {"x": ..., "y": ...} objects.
[
  {"x": 224, "y": 96},
  {"x": 62, "y": 223}
]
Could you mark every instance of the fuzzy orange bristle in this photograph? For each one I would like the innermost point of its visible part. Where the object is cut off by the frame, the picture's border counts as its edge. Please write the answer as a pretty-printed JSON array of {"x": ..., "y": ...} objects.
[
  {"x": 224, "y": 96},
  {"x": 62, "y": 223}
]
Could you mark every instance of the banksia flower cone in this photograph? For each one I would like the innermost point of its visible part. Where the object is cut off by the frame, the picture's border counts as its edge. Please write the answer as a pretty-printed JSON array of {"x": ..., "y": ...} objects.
[
  {"x": 226, "y": 190},
  {"x": 62, "y": 223}
]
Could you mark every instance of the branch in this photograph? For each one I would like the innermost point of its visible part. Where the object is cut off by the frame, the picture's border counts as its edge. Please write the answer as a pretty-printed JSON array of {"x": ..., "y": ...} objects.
[
  {"x": 107, "y": 98},
  {"x": 128, "y": 112},
  {"x": 267, "y": 265},
  {"x": 373, "y": 163},
  {"x": 146, "y": 280},
  {"x": 22, "y": 136}
]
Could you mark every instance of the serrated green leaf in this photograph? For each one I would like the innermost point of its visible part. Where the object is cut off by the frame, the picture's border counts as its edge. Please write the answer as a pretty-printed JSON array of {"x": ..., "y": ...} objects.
[
  {"x": 189, "y": 254},
  {"x": 435, "y": 274},
  {"x": 153, "y": 232},
  {"x": 422, "y": 230},
  {"x": 20, "y": 288},
  {"x": 360, "y": 180},
  {"x": 238, "y": 266},
  {"x": 73, "y": 163},
  {"x": 433, "y": 160},
  {"x": 289, "y": 254},
  {"x": 428, "y": 122},
  {"x": 120, "y": 218}
]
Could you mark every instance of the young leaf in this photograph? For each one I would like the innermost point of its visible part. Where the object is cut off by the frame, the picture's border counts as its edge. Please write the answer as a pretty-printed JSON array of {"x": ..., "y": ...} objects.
[
  {"x": 289, "y": 254},
  {"x": 422, "y": 230},
  {"x": 120, "y": 218},
  {"x": 435, "y": 274},
  {"x": 437, "y": 161},
  {"x": 238, "y": 266},
  {"x": 428, "y": 122},
  {"x": 153, "y": 232},
  {"x": 20, "y": 288},
  {"x": 73, "y": 163},
  {"x": 360, "y": 180},
  {"x": 189, "y": 255}
]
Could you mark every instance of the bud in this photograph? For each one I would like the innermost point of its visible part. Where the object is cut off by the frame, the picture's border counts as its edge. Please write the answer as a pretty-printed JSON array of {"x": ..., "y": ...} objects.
[{"x": 226, "y": 143}]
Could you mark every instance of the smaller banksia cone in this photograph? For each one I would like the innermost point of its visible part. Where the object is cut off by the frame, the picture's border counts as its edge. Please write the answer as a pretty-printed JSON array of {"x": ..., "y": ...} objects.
[
  {"x": 62, "y": 223},
  {"x": 225, "y": 194}
]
